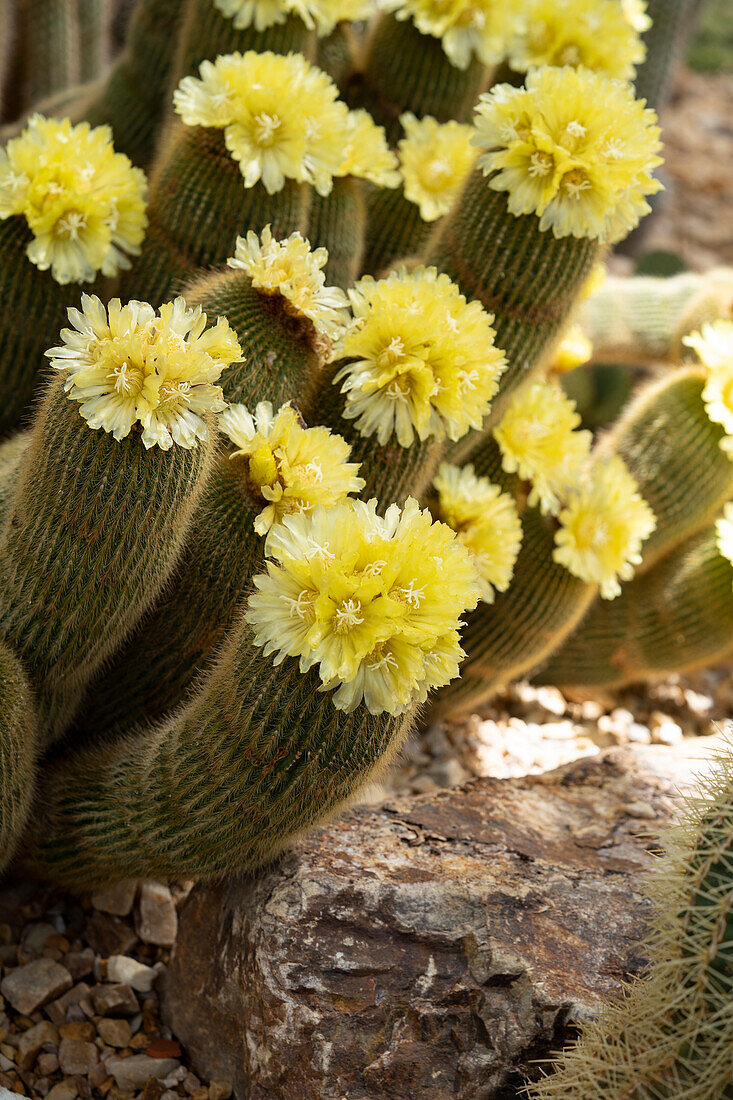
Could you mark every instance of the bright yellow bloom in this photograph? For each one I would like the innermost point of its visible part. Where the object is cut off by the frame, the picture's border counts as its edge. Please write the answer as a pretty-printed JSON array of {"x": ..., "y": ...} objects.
[
  {"x": 84, "y": 203},
  {"x": 574, "y": 148},
  {"x": 435, "y": 159},
  {"x": 602, "y": 528},
  {"x": 367, "y": 155},
  {"x": 714, "y": 346},
  {"x": 259, "y": 14},
  {"x": 281, "y": 117},
  {"x": 423, "y": 359},
  {"x": 485, "y": 521},
  {"x": 321, "y": 15},
  {"x": 539, "y": 440},
  {"x": 636, "y": 14},
  {"x": 291, "y": 467},
  {"x": 128, "y": 365},
  {"x": 374, "y": 603},
  {"x": 290, "y": 268},
  {"x": 593, "y": 33},
  {"x": 572, "y": 351},
  {"x": 465, "y": 27},
  {"x": 724, "y": 529}
]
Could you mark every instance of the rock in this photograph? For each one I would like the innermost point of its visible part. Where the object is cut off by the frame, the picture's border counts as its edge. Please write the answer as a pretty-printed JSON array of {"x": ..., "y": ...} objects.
[
  {"x": 116, "y": 1033},
  {"x": 77, "y": 1056},
  {"x": 30, "y": 986},
  {"x": 114, "y": 1000},
  {"x": 32, "y": 1040},
  {"x": 58, "y": 1009},
  {"x": 132, "y": 1073},
  {"x": 80, "y": 964},
  {"x": 220, "y": 1090},
  {"x": 35, "y": 938},
  {"x": 109, "y": 935},
  {"x": 437, "y": 946},
  {"x": 79, "y": 1029},
  {"x": 664, "y": 730},
  {"x": 118, "y": 899},
  {"x": 157, "y": 918},
  {"x": 123, "y": 969},
  {"x": 163, "y": 1048},
  {"x": 65, "y": 1090},
  {"x": 47, "y": 1063}
]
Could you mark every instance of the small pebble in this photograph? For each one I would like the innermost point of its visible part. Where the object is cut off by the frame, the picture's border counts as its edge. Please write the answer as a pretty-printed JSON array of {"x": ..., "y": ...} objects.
[
  {"x": 77, "y": 1056},
  {"x": 118, "y": 899},
  {"x": 30, "y": 986},
  {"x": 157, "y": 920},
  {"x": 116, "y": 1033},
  {"x": 132, "y": 1073},
  {"x": 640, "y": 809},
  {"x": 125, "y": 970},
  {"x": 114, "y": 1000},
  {"x": 32, "y": 1040}
]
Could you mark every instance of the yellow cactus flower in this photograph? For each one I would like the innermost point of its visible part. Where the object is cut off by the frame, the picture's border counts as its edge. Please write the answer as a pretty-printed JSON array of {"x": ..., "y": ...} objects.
[
  {"x": 636, "y": 14},
  {"x": 602, "y": 528},
  {"x": 374, "y": 603},
  {"x": 367, "y": 154},
  {"x": 281, "y": 117},
  {"x": 127, "y": 365},
  {"x": 714, "y": 346},
  {"x": 291, "y": 269},
  {"x": 593, "y": 33},
  {"x": 573, "y": 349},
  {"x": 539, "y": 440},
  {"x": 84, "y": 203},
  {"x": 573, "y": 147},
  {"x": 435, "y": 159},
  {"x": 291, "y": 467},
  {"x": 485, "y": 521},
  {"x": 321, "y": 15},
  {"x": 724, "y": 530},
  {"x": 259, "y": 14},
  {"x": 466, "y": 28},
  {"x": 422, "y": 360}
]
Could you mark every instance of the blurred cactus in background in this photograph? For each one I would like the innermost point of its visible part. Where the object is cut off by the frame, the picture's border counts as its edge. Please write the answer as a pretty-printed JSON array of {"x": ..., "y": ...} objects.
[{"x": 303, "y": 461}]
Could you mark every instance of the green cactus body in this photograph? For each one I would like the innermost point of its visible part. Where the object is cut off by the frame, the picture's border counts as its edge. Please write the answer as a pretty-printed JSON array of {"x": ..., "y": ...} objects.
[
  {"x": 671, "y": 22},
  {"x": 671, "y": 447},
  {"x": 675, "y": 617},
  {"x": 52, "y": 57},
  {"x": 671, "y": 1035},
  {"x": 637, "y": 320},
  {"x": 206, "y": 33},
  {"x": 91, "y": 535},
  {"x": 405, "y": 70},
  {"x": 337, "y": 53},
  {"x": 524, "y": 625},
  {"x": 198, "y": 207},
  {"x": 18, "y": 750},
  {"x": 135, "y": 98},
  {"x": 95, "y": 23},
  {"x": 259, "y": 755},
  {"x": 526, "y": 277},
  {"x": 154, "y": 671},
  {"x": 395, "y": 230},
  {"x": 338, "y": 223},
  {"x": 34, "y": 309}
]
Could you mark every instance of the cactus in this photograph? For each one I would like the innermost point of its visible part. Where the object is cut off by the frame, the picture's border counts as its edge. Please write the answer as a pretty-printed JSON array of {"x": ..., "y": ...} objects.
[
  {"x": 18, "y": 752},
  {"x": 670, "y": 1035},
  {"x": 394, "y": 292},
  {"x": 51, "y": 35}
]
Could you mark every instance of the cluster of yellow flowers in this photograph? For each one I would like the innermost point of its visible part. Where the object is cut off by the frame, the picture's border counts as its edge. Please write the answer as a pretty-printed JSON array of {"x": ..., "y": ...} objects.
[
  {"x": 435, "y": 159},
  {"x": 282, "y": 119},
  {"x": 595, "y": 34},
  {"x": 486, "y": 522},
  {"x": 724, "y": 529},
  {"x": 574, "y": 148},
  {"x": 714, "y": 346},
  {"x": 321, "y": 15},
  {"x": 291, "y": 467},
  {"x": 374, "y": 603},
  {"x": 466, "y": 28},
  {"x": 603, "y": 519},
  {"x": 129, "y": 364},
  {"x": 84, "y": 203},
  {"x": 421, "y": 359},
  {"x": 292, "y": 270}
]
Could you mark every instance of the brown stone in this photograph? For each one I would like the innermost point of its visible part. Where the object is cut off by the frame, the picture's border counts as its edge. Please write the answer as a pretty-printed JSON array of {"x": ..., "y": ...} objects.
[
  {"x": 109, "y": 935},
  {"x": 30, "y": 986},
  {"x": 157, "y": 920},
  {"x": 31, "y": 1042},
  {"x": 117, "y": 899},
  {"x": 163, "y": 1048},
  {"x": 116, "y": 1033},
  {"x": 77, "y": 1056},
  {"x": 78, "y": 1029},
  {"x": 57, "y": 1010},
  {"x": 114, "y": 1000},
  {"x": 436, "y": 946}
]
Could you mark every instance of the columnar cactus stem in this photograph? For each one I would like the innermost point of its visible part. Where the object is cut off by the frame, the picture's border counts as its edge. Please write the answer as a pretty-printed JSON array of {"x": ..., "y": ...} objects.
[
  {"x": 198, "y": 207},
  {"x": 18, "y": 750},
  {"x": 259, "y": 755},
  {"x": 135, "y": 98},
  {"x": 525, "y": 276},
  {"x": 206, "y": 33},
  {"x": 508, "y": 638},
  {"x": 672, "y": 448},
  {"x": 671, "y": 22},
  {"x": 405, "y": 70},
  {"x": 338, "y": 223},
  {"x": 95, "y": 25},
  {"x": 675, "y": 617},
  {"x": 337, "y": 53},
  {"x": 51, "y": 38},
  {"x": 395, "y": 230},
  {"x": 81, "y": 556}
]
